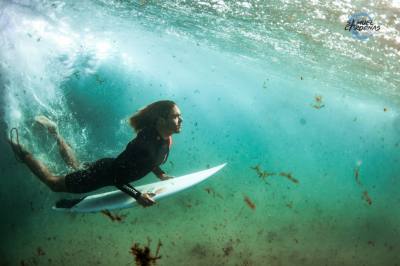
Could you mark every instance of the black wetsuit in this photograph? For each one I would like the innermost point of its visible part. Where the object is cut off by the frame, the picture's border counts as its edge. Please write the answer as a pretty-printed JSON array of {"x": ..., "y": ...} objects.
[{"x": 142, "y": 155}]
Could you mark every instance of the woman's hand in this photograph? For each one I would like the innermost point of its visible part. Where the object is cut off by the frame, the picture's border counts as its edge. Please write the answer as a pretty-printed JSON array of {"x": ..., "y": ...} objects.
[{"x": 145, "y": 199}]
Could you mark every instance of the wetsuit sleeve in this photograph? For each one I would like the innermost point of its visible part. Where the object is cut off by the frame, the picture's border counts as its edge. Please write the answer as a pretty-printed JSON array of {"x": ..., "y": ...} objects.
[
  {"x": 131, "y": 163},
  {"x": 158, "y": 171},
  {"x": 131, "y": 191}
]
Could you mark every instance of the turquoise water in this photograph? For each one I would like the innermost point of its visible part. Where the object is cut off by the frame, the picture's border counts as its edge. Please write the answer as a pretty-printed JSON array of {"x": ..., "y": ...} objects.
[{"x": 273, "y": 89}]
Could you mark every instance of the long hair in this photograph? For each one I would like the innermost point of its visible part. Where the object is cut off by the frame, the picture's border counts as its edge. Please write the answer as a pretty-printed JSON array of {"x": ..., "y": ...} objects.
[{"x": 148, "y": 115}]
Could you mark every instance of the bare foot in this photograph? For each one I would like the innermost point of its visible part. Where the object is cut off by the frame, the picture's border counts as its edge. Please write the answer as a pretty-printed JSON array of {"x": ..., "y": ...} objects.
[{"x": 47, "y": 123}]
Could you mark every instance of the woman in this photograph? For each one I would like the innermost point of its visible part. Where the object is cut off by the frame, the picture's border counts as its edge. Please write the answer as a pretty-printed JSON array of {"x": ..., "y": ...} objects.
[{"x": 154, "y": 125}]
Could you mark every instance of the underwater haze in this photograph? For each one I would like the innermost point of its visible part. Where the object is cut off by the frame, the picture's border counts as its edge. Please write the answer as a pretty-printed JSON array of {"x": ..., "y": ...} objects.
[{"x": 306, "y": 116}]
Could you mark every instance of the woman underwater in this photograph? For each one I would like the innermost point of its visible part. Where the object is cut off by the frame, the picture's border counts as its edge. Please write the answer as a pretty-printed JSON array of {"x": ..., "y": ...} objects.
[{"x": 155, "y": 124}]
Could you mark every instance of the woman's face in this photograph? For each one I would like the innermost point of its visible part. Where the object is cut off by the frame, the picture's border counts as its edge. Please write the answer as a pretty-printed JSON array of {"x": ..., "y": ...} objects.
[{"x": 173, "y": 122}]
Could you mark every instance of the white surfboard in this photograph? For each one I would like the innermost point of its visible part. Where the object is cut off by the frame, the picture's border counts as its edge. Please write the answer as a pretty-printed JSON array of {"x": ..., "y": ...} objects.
[{"x": 118, "y": 199}]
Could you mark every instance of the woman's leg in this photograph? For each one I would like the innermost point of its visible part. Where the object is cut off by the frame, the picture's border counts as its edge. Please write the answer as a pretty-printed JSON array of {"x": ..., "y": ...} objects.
[
  {"x": 66, "y": 151},
  {"x": 55, "y": 183}
]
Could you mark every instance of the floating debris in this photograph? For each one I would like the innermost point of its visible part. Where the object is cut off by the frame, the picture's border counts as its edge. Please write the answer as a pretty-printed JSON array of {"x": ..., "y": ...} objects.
[
  {"x": 261, "y": 174},
  {"x": 264, "y": 85},
  {"x": 77, "y": 74},
  {"x": 318, "y": 102},
  {"x": 212, "y": 192},
  {"x": 264, "y": 174},
  {"x": 272, "y": 236},
  {"x": 249, "y": 203},
  {"x": 143, "y": 256},
  {"x": 113, "y": 217},
  {"x": 40, "y": 251},
  {"x": 367, "y": 198},
  {"x": 357, "y": 173},
  {"x": 33, "y": 259},
  {"x": 98, "y": 79},
  {"x": 289, "y": 176},
  {"x": 365, "y": 195},
  {"x": 229, "y": 246},
  {"x": 199, "y": 250},
  {"x": 388, "y": 246},
  {"x": 227, "y": 250},
  {"x": 209, "y": 190}
]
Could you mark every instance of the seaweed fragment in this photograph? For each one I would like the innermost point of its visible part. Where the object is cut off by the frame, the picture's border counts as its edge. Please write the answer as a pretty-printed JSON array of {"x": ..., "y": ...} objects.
[
  {"x": 367, "y": 198},
  {"x": 113, "y": 217},
  {"x": 143, "y": 256},
  {"x": 261, "y": 174},
  {"x": 357, "y": 174},
  {"x": 365, "y": 195},
  {"x": 212, "y": 192},
  {"x": 289, "y": 176},
  {"x": 249, "y": 202},
  {"x": 264, "y": 174}
]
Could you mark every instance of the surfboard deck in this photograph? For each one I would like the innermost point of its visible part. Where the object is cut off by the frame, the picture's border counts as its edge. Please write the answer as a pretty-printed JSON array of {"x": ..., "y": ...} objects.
[{"x": 119, "y": 200}]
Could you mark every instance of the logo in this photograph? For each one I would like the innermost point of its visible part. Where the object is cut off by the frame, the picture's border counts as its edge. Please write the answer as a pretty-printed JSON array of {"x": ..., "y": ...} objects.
[{"x": 361, "y": 26}]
